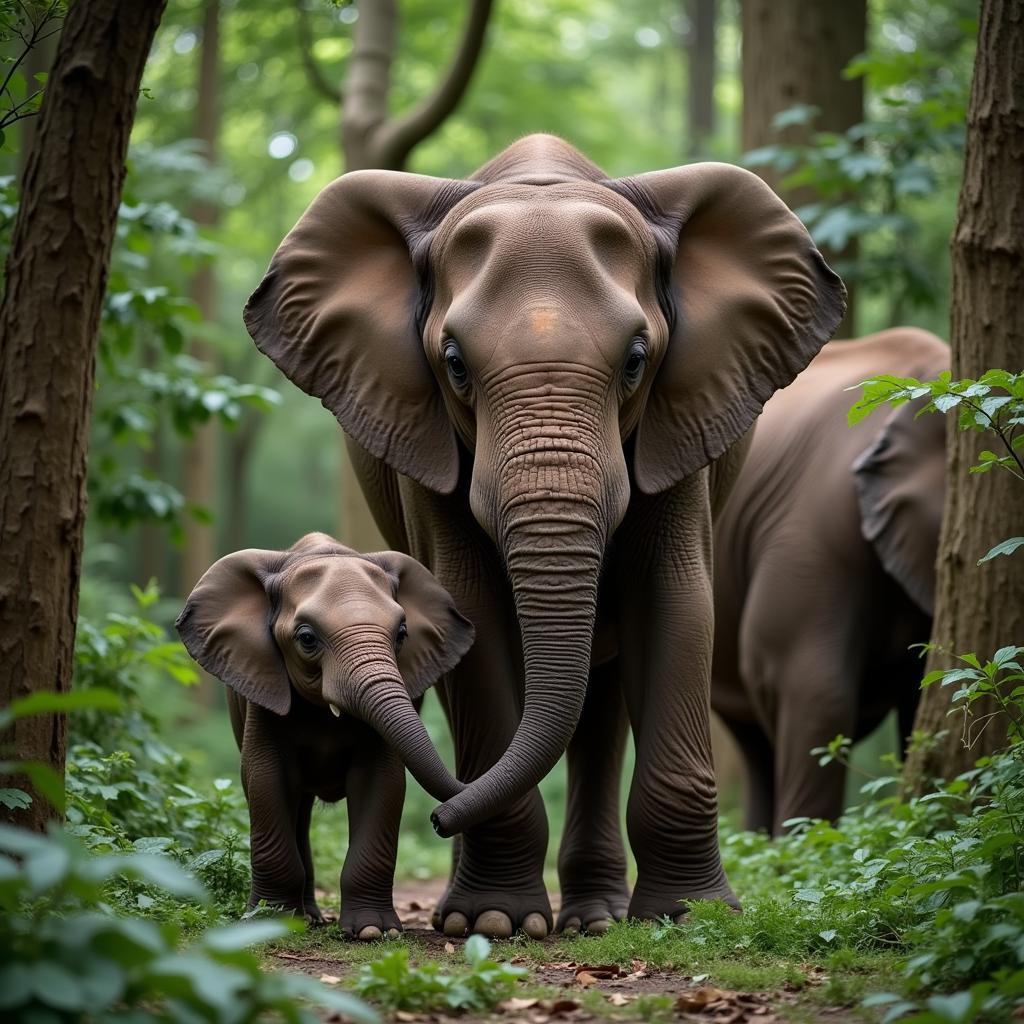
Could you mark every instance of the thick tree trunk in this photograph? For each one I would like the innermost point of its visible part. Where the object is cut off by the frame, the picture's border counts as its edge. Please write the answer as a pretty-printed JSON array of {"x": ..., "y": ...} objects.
[
  {"x": 199, "y": 466},
  {"x": 794, "y": 53},
  {"x": 701, "y": 75},
  {"x": 55, "y": 277},
  {"x": 981, "y": 608}
]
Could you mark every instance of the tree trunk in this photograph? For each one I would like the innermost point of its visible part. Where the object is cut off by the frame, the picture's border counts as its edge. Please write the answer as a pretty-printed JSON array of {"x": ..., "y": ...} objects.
[
  {"x": 794, "y": 53},
  {"x": 981, "y": 608},
  {"x": 55, "y": 277},
  {"x": 199, "y": 465},
  {"x": 701, "y": 73}
]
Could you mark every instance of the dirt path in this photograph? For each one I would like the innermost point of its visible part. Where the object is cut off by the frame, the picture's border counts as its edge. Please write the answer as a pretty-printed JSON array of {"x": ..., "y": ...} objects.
[{"x": 577, "y": 991}]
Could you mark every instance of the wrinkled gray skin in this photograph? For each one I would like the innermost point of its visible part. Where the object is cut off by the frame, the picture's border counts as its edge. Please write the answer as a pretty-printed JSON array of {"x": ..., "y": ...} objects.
[
  {"x": 825, "y": 573},
  {"x": 326, "y": 653},
  {"x": 535, "y": 368}
]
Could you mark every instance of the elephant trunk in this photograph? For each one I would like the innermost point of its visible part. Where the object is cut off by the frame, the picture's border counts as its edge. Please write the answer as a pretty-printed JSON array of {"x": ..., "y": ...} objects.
[
  {"x": 375, "y": 693},
  {"x": 553, "y": 551}
]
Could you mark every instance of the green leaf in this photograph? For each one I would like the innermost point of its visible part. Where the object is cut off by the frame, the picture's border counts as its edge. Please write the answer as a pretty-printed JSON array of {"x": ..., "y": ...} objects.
[
  {"x": 476, "y": 950},
  {"x": 1006, "y": 547},
  {"x": 45, "y": 702},
  {"x": 239, "y": 936}
]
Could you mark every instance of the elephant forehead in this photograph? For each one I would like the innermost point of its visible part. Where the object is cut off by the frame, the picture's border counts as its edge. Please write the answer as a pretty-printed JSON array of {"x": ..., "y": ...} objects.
[
  {"x": 525, "y": 272},
  {"x": 329, "y": 582}
]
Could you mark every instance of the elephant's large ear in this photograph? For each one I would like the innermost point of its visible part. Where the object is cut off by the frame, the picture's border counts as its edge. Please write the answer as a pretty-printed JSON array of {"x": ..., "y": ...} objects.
[
  {"x": 900, "y": 481},
  {"x": 225, "y": 626},
  {"x": 337, "y": 312},
  {"x": 753, "y": 302},
  {"x": 438, "y": 634}
]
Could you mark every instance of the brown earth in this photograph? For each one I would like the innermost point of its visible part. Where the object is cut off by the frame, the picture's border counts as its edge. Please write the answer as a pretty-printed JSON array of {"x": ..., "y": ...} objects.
[{"x": 692, "y": 1000}]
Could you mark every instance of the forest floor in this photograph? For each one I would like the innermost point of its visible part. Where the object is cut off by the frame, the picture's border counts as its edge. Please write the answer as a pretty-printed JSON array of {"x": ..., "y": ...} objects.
[{"x": 633, "y": 973}]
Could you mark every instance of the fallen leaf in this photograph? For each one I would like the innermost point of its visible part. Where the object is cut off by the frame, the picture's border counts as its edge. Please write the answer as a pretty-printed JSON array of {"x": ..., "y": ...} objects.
[
  {"x": 701, "y": 998},
  {"x": 560, "y": 1007},
  {"x": 449, "y": 947},
  {"x": 330, "y": 979},
  {"x": 585, "y": 978},
  {"x": 406, "y": 1016},
  {"x": 514, "y": 1004},
  {"x": 289, "y": 956},
  {"x": 618, "y": 999},
  {"x": 599, "y": 972}
]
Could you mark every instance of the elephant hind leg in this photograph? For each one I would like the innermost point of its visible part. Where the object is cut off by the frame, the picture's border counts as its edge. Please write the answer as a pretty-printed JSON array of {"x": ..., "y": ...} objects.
[
  {"x": 303, "y": 817},
  {"x": 592, "y": 857},
  {"x": 759, "y": 774}
]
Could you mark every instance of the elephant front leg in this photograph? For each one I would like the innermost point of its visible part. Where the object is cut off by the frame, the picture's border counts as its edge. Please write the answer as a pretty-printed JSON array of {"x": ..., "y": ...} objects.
[
  {"x": 663, "y": 585},
  {"x": 497, "y": 885},
  {"x": 591, "y": 859},
  {"x": 375, "y": 787},
  {"x": 273, "y": 793}
]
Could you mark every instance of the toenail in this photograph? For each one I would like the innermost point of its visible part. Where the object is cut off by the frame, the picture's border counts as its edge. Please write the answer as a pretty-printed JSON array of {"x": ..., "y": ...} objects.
[
  {"x": 393, "y": 933},
  {"x": 369, "y": 934},
  {"x": 572, "y": 926},
  {"x": 535, "y": 925},
  {"x": 600, "y": 926},
  {"x": 494, "y": 924},
  {"x": 456, "y": 925}
]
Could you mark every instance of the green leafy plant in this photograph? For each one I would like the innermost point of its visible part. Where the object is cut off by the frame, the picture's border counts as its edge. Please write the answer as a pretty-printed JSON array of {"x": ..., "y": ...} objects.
[
  {"x": 64, "y": 956},
  {"x": 398, "y": 985},
  {"x": 993, "y": 404}
]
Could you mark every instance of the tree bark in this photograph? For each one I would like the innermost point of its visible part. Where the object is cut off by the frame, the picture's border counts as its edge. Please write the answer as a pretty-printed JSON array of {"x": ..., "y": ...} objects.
[
  {"x": 56, "y": 273},
  {"x": 701, "y": 74},
  {"x": 372, "y": 138},
  {"x": 199, "y": 465},
  {"x": 981, "y": 608},
  {"x": 794, "y": 53}
]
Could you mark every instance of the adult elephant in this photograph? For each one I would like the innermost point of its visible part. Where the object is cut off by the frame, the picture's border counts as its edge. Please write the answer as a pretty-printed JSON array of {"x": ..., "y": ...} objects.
[
  {"x": 534, "y": 368},
  {"x": 825, "y": 573}
]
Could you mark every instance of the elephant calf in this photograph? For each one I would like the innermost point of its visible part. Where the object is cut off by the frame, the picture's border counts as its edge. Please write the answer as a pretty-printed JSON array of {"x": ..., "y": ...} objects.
[
  {"x": 825, "y": 572},
  {"x": 325, "y": 652}
]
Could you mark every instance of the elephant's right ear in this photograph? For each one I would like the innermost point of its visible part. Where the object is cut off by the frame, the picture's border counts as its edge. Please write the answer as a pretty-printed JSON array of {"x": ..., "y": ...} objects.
[
  {"x": 337, "y": 313},
  {"x": 225, "y": 626}
]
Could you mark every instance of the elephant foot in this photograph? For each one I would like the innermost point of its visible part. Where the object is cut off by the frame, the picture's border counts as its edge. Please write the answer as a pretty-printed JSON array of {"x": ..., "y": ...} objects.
[
  {"x": 497, "y": 914},
  {"x": 313, "y": 914},
  {"x": 592, "y": 911},
  {"x": 654, "y": 902},
  {"x": 595, "y": 893},
  {"x": 369, "y": 924},
  {"x": 497, "y": 888}
]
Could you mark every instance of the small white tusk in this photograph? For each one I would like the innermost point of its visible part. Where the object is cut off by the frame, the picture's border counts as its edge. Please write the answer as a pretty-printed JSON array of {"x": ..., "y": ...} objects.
[{"x": 335, "y": 710}]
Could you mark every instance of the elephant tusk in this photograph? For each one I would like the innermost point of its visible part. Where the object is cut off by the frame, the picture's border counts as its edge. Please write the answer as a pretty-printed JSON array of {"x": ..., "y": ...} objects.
[{"x": 336, "y": 711}]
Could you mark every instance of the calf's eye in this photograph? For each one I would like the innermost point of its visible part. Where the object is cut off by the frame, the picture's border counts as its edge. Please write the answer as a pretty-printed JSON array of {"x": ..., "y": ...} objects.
[
  {"x": 403, "y": 632},
  {"x": 306, "y": 638}
]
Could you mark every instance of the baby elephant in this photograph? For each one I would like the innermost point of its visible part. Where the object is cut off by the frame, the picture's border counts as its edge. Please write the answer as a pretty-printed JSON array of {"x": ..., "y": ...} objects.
[{"x": 325, "y": 652}]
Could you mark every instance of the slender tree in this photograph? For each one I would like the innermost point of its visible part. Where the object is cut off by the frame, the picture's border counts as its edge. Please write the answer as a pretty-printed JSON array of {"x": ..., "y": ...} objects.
[
  {"x": 55, "y": 274},
  {"x": 794, "y": 53},
  {"x": 700, "y": 59},
  {"x": 981, "y": 608},
  {"x": 199, "y": 467},
  {"x": 372, "y": 137}
]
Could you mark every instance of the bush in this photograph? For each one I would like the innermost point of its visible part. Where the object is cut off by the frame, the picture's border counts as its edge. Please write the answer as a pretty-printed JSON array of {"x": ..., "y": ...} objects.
[{"x": 64, "y": 956}]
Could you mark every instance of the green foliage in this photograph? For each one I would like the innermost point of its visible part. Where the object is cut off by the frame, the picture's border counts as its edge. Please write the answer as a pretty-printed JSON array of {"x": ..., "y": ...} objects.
[
  {"x": 127, "y": 789},
  {"x": 24, "y": 25},
  {"x": 397, "y": 985},
  {"x": 993, "y": 404},
  {"x": 64, "y": 956},
  {"x": 874, "y": 183}
]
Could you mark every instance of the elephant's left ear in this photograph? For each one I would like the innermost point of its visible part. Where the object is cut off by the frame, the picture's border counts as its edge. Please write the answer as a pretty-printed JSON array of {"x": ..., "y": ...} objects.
[
  {"x": 438, "y": 634},
  {"x": 754, "y": 302}
]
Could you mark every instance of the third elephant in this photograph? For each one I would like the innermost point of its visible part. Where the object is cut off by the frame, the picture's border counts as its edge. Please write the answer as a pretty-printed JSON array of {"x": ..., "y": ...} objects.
[{"x": 825, "y": 572}]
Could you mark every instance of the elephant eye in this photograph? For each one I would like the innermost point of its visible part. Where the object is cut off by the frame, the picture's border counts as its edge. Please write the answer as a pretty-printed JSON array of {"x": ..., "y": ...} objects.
[
  {"x": 458, "y": 374},
  {"x": 403, "y": 632},
  {"x": 307, "y": 640},
  {"x": 633, "y": 368}
]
